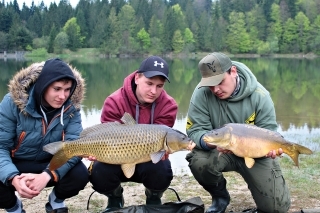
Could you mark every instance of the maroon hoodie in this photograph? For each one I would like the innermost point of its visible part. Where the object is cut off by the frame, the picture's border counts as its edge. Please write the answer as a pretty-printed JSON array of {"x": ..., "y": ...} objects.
[{"x": 124, "y": 100}]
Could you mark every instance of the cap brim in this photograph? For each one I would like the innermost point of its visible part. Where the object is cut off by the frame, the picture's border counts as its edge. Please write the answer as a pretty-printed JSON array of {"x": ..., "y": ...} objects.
[
  {"x": 211, "y": 81},
  {"x": 150, "y": 74}
]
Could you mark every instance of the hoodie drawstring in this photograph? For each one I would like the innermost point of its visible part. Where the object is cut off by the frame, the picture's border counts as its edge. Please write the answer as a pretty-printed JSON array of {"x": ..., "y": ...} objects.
[
  {"x": 45, "y": 116},
  {"x": 61, "y": 117},
  {"x": 152, "y": 112}
]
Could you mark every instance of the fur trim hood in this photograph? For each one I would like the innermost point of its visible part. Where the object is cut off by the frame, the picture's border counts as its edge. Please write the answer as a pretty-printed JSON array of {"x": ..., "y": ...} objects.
[{"x": 24, "y": 79}]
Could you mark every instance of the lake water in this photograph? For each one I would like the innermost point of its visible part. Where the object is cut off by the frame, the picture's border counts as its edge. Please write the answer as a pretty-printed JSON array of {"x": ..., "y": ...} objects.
[{"x": 294, "y": 85}]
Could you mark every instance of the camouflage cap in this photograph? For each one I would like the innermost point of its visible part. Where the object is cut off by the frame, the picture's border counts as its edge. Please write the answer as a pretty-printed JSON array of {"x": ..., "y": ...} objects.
[{"x": 213, "y": 68}]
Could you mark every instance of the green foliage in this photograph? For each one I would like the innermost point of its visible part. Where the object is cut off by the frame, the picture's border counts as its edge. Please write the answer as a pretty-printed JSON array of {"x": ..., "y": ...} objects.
[
  {"x": 28, "y": 47},
  {"x": 3, "y": 40},
  {"x": 144, "y": 39},
  {"x": 303, "y": 28},
  {"x": 238, "y": 39},
  {"x": 315, "y": 36},
  {"x": 6, "y": 19},
  {"x": 177, "y": 42},
  {"x": 40, "y": 42},
  {"x": 72, "y": 29},
  {"x": 40, "y": 52},
  {"x": 60, "y": 42},
  {"x": 126, "y": 23},
  {"x": 19, "y": 38},
  {"x": 156, "y": 46},
  {"x": 236, "y": 26},
  {"x": 289, "y": 37}
]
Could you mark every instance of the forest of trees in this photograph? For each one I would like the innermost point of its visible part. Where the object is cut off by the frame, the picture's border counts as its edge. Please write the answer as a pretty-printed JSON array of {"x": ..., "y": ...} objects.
[{"x": 161, "y": 26}]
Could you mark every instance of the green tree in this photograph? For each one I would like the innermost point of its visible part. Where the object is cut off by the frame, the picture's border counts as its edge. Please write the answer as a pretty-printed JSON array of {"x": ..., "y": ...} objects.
[
  {"x": 6, "y": 19},
  {"x": 25, "y": 13},
  {"x": 289, "y": 41},
  {"x": 111, "y": 44},
  {"x": 52, "y": 36},
  {"x": 64, "y": 12},
  {"x": 34, "y": 23},
  {"x": 81, "y": 21},
  {"x": 275, "y": 24},
  {"x": 155, "y": 29},
  {"x": 72, "y": 29},
  {"x": 188, "y": 40},
  {"x": 219, "y": 34},
  {"x": 252, "y": 30},
  {"x": 50, "y": 18},
  {"x": 60, "y": 42},
  {"x": 303, "y": 31},
  {"x": 3, "y": 41},
  {"x": 168, "y": 28},
  {"x": 203, "y": 34},
  {"x": 315, "y": 36},
  {"x": 101, "y": 30},
  {"x": 144, "y": 39},
  {"x": 19, "y": 37},
  {"x": 238, "y": 40},
  {"x": 310, "y": 8},
  {"x": 177, "y": 41},
  {"x": 143, "y": 11},
  {"x": 126, "y": 20}
]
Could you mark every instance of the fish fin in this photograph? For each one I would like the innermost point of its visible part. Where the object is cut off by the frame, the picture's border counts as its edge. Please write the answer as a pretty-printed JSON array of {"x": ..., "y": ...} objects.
[
  {"x": 156, "y": 157},
  {"x": 54, "y": 147},
  {"x": 128, "y": 119},
  {"x": 128, "y": 169},
  {"x": 295, "y": 157},
  {"x": 249, "y": 162},
  {"x": 58, "y": 160},
  {"x": 88, "y": 130},
  {"x": 302, "y": 149},
  {"x": 97, "y": 129},
  {"x": 298, "y": 149}
]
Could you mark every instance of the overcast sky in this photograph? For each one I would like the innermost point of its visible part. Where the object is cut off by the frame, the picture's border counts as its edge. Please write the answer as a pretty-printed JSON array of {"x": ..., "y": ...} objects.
[{"x": 46, "y": 2}]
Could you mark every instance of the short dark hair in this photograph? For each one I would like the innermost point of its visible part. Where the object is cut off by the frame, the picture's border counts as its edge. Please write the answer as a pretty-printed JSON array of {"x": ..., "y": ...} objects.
[{"x": 65, "y": 80}]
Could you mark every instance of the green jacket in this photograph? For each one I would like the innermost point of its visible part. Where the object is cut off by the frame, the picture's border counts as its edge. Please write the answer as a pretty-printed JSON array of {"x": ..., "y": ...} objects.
[{"x": 252, "y": 105}]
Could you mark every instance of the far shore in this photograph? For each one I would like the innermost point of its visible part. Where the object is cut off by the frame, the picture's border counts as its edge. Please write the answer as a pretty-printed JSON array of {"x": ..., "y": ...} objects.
[{"x": 92, "y": 52}]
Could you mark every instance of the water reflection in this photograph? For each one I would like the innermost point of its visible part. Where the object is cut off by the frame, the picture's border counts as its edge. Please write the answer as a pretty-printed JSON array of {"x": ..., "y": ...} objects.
[{"x": 293, "y": 84}]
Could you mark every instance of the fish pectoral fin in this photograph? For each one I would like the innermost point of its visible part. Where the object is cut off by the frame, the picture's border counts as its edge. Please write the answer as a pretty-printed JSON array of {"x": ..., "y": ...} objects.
[
  {"x": 156, "y": 157},
  {"x": 249, "y": 162},
  {"x": 128, "y": 169}
]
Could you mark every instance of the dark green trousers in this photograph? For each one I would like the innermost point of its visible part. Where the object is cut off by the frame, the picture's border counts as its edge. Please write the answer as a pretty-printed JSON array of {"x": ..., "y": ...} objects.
[{"x": 264, "y": 179}]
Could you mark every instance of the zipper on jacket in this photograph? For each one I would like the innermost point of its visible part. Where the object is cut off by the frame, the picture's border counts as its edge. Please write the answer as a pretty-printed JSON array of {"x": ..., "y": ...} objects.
[
  {"x": 21, "y": 137},
  {"x": 44, "y": 124}
]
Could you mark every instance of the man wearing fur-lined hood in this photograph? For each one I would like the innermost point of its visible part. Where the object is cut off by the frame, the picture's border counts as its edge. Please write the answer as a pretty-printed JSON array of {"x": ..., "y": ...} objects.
[{"x": 42, "y": 106}]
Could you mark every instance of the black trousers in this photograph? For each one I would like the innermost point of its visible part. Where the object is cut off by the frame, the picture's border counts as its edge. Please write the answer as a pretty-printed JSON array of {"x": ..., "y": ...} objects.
[
  {"x": 70, "y": 185},
  {"x": 106, "y": 177}
]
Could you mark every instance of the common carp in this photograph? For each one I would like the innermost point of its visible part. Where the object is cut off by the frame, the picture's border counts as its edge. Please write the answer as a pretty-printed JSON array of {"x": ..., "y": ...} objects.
[
  {"x": 250, "y": 141},
  {"x": 125, "y": 144}
]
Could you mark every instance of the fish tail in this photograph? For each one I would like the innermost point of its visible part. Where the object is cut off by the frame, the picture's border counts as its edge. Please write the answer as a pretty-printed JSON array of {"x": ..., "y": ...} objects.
[
  {"x": 295, "y": 157},
  {"x": 298, "y": 149},
  {"x": 302, "y": 149},
  {"x": 53, "y": 148},
  {"x": 58, "y": 160}
]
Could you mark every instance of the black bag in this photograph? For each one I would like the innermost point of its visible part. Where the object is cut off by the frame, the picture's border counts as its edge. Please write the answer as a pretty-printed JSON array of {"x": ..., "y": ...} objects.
[{"x": 192, "y": 205}]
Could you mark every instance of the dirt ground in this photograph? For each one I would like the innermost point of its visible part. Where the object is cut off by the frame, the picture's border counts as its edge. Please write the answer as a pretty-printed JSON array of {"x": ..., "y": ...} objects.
[{"x": 185, "y": 185}]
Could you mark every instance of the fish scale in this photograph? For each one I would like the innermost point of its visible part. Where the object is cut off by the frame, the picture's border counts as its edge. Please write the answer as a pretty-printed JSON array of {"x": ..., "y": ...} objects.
[
  {"x": 124, "y": 144},
  {"x": 250, "y": 141}
]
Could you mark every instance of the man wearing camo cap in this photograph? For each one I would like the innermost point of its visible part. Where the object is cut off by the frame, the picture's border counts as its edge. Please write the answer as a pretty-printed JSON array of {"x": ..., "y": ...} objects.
[{"x": 230, "y": 93}]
